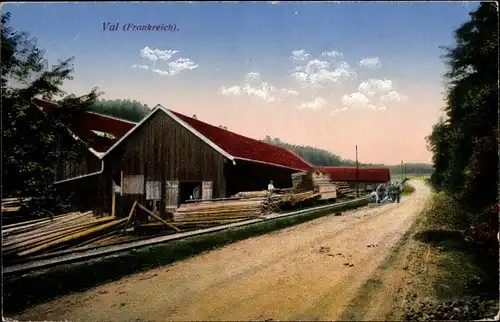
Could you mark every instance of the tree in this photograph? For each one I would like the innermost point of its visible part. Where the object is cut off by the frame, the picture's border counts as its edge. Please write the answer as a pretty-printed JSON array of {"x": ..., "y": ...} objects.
[
  {"x": 32, "y": 141},
  {"x": 465, "y": 144},
  {"x": 125, "y": 109}
]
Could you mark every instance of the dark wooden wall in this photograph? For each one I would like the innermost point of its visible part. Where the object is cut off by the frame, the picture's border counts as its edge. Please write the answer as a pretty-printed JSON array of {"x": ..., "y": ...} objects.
[
  {"x": 161, "y": 150},
  {"x": 89, "y": 163},
  {"x": 252, "y": 176},
  {"x": 88, "y": 193}
]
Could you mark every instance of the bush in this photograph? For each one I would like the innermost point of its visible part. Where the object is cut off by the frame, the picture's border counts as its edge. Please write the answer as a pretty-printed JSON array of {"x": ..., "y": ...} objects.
[{"x": 407, "y": 189}]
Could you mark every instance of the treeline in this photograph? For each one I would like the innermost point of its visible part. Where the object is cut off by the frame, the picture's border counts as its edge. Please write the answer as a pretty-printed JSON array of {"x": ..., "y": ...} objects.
[
  {"x": 126, "y": 109},
  {"x": 315, "y": 156},
  {"x": 321, "y": 157},
  {"x": 465, "y": 142}
]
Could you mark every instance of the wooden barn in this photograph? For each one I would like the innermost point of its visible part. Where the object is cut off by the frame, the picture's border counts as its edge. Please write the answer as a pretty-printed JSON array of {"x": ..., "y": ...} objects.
[
  {"x": 169, "y": 158},
  {"x": 367, "y": 177}
]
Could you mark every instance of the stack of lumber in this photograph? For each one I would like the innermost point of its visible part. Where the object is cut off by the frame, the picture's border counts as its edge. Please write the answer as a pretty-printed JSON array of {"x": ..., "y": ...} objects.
[
  {"x": 344, "y": 190},
  {"x": 317, "y": 181},
  {"x": 61, "y": 232},
  {"x": 252, "y": 194},
  {"x": 13, "y": 212},
  {"x": 298, "y": 200},
  {"x": 217, "y": 212},
  {"x": 302, "y": 181},
  {"x": 273, "y": 204},
  {"x": 324, "y": 185}
]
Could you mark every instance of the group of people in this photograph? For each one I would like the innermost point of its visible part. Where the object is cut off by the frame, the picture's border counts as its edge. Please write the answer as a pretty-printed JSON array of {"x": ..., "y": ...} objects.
[{"x": 390, "y": 192}]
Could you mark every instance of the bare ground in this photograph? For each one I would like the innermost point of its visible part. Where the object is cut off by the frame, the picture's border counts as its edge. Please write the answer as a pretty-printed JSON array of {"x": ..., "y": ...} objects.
[{"x": 308, "y": 272}]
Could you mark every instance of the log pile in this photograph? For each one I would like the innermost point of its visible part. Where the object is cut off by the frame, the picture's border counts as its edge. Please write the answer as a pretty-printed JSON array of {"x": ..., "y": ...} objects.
[
  {"x": 217, "y": 212},
  {"x": 63, "y": 231}
]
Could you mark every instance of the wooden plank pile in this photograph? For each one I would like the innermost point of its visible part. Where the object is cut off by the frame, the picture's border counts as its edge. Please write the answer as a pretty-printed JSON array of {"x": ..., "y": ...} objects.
[
  {"x": 217, "y": 212},
  {"x": 12, "y": 204},
  {"x": 302, "y": 181},
  {"x": 344, "y": 190},
  {"x": 316, "y": 181},
  {"x": 297, "y": 200},
  {"x": 63, "y": 231}
]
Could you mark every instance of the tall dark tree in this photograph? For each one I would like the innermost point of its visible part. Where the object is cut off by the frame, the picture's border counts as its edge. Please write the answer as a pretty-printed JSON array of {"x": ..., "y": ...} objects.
[
  {"x": 465, "y": 144},
  {"x": 32, "y": 142}
]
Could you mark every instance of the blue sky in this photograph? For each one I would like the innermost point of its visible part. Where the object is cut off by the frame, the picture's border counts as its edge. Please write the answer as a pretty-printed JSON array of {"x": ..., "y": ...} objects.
[{"x": 225, "y": 41}]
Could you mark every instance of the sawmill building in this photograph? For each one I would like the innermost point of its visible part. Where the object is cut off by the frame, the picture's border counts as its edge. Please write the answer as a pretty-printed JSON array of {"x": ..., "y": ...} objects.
[{"x": 162, "y": 159}]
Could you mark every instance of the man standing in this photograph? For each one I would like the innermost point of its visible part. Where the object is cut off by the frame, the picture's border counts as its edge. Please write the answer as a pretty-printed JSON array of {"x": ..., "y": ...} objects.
[
  {"x": 398, "y": 191},
  {"x": 270, "y": 188},
  {"x": 380, "y": 192}
]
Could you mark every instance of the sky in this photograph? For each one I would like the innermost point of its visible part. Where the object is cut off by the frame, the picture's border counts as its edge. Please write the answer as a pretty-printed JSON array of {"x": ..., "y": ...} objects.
[{"x": 331, "y": 75}]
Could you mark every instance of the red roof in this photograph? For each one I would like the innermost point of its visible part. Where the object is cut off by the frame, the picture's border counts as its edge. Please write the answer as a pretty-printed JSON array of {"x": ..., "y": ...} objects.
[
  {"x": 365, "y": 174},
  {"x": 242, "y": 147},
  {"x": 83, "y": 126}
]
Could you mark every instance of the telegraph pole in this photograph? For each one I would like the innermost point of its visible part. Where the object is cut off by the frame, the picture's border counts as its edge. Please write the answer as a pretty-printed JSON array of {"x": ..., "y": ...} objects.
[
  {"x": 402, "y": 171},
  {"x": 357, "y": 173}
]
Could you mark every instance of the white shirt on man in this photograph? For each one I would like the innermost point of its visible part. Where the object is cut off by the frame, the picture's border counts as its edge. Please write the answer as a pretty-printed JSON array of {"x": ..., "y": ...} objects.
[{"x": 270, "y": 187}]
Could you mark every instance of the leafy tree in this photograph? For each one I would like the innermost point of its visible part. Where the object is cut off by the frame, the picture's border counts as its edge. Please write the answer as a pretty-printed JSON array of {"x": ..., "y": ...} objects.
[
  {"x": 33, "y": 143},
  {"x": 465, "y": 144},
  {"x": 125, "y": 109}
]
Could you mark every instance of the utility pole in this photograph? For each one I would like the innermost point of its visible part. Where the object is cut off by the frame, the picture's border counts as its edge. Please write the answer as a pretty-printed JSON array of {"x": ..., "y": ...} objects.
[
  {"x": 357, "y": 173},
  {"x": 402, "y": 171}
]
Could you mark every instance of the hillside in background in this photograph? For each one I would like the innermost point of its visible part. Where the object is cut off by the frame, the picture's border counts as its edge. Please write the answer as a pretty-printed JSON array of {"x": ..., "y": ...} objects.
[{"x": 321, "y": 157}]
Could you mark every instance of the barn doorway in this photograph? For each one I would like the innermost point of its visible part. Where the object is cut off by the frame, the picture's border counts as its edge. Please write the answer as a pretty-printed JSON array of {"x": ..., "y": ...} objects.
[{"x": 186, "y": 190}]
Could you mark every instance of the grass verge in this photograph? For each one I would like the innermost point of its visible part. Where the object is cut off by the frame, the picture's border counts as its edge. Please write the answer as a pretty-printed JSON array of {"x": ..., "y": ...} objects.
[
  {"x": 461, "y": 266},
  {"x": 21, "y": 292},
  {"x": 438, "y": 271}
]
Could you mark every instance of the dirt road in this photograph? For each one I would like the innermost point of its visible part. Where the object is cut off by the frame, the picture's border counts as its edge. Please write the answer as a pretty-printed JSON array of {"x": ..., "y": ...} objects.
[{"x": 307, "y": 272}]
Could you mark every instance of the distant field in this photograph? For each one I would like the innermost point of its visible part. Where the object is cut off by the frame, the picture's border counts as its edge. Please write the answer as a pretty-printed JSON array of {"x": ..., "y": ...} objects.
[{"x": 397, "y": 175}]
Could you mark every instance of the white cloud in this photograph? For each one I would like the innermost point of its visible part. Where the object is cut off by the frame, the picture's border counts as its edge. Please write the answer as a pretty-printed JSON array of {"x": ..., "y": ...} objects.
[
  {"x": 181, "y": 64},
  {"x": 274, "y": 2},
  {"x": 372, "y": 94},
  {"x": 259, "y": 89},
  {"x": 285, "y": 91},
  {"x": 144, "y": 67},
  {"x": 265, "y": 92},
  {"x": 338, "y": 110},
  {"x": 316, "y": 104},
  {"x": 161, "y": 72},
  {"x": 375, "y": 86},
  {"x": 372, "y": 63},
  {"x": 317, "y": 72},
  {"x": 394, "y": 97},
  {"x": 156, "y": 54},
  {"x": 332, "y": 54},
  {"x": 233, "y": 90},
  {"x": 252, "y": 76},
  {"x": 173, "y": 67},
  {"x": 357, "y": 100},
  {"x": 299, "y": 54}
]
